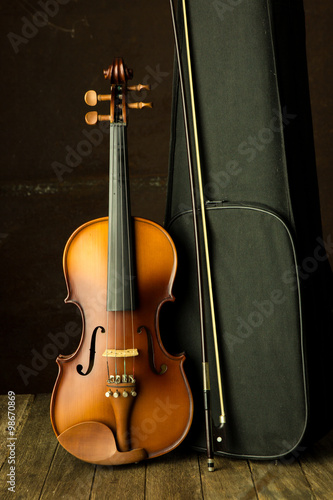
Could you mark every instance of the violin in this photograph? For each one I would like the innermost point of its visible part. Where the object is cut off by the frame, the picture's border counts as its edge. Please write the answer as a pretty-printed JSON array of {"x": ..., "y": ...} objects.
[{"x": 120, "y": 397}]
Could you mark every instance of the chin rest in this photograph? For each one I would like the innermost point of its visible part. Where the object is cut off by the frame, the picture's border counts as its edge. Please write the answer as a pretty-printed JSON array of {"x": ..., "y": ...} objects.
[{"x": 95, "y": 443}]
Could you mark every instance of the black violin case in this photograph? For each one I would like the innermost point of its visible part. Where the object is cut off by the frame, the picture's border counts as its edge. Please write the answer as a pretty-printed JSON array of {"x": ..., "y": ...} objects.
[{"x": 272, "y": 282}]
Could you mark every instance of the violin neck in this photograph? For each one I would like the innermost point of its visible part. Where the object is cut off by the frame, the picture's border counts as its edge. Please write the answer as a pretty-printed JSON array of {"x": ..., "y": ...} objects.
[{"x": 120, "y": 280}]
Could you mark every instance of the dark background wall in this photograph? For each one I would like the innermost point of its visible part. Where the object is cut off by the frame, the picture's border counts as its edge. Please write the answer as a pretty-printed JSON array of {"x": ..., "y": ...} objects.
[{"x": 53, "y": 178}]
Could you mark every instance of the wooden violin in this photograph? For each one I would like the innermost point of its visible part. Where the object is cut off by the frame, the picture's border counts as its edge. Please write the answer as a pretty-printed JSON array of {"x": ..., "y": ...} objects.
[{"x": 120, "y": 397}]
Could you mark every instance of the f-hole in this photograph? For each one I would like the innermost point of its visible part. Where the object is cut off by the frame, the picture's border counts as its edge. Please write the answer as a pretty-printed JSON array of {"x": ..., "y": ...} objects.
[
  {"x": 163, "y": 367},
  {"x": 92, "y": 352}
]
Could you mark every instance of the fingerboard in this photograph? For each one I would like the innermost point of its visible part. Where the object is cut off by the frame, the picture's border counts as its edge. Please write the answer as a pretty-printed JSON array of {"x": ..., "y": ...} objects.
[{"x": 121, "y": 278}]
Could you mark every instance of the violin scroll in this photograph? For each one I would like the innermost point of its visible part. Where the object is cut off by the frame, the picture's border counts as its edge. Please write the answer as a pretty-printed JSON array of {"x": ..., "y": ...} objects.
[{"x": 118, "y": 74}]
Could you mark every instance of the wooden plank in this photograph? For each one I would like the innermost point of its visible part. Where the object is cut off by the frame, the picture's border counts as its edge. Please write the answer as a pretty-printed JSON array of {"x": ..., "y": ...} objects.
[
  {"x": 317, "y": 465},
  {"x": 279, "y": 480},
  {"x": 175, "y": 475},
  {"x": 231, "y": 479},
  {"x": 44, "y": 470},
  {"x": 34, "y": 449},
  {"x": 23, "y": 404},
  {"x": 119, "y": 483},
  {"x": 68, "y": 477}
]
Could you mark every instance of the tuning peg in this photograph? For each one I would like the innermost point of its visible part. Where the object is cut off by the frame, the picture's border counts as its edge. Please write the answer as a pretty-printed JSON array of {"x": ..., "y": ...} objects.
[
  {"x": 139, "y": 87},
  {"x": 91, "y": 98},
  {"x": 93, "y": 117},
  {"x": 140, "y": 105}
]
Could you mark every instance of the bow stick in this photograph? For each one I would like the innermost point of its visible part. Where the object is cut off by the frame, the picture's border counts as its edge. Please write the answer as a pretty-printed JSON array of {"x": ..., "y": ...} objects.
[{"x": 205, "y": 364}]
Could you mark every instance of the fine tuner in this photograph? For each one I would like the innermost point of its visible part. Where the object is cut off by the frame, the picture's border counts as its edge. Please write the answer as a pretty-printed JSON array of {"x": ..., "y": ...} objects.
[{"x": 91, "y": 98}]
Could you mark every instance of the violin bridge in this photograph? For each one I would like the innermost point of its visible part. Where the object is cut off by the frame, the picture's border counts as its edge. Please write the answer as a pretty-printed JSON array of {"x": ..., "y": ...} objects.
[{"x": 119, "y": 353}]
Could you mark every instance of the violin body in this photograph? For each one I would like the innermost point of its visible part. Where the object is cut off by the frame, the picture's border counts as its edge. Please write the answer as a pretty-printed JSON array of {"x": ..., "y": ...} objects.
[
  {"x": 154, "y": 419},
  {"x": 120, "y": 397}
]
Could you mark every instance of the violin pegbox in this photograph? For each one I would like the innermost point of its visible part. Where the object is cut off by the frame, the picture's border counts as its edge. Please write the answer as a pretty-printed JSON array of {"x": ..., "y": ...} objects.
[{"x": 118, "y": 74}]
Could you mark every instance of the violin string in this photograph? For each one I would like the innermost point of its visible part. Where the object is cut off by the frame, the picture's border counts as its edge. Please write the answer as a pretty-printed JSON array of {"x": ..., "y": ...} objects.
[
  {"x": 130, "y": 263},
  {"x": 108, "y": 250},
  {"x": 115, "y": 217},
  {"x": 123, "y": 222},
  {"x": 109, "y": 271},
  {"x": 106, "y": 344}
]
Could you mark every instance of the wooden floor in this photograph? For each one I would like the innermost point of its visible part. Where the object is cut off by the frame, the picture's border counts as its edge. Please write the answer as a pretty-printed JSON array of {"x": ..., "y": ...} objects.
[{"x": 44, "y": 470}]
